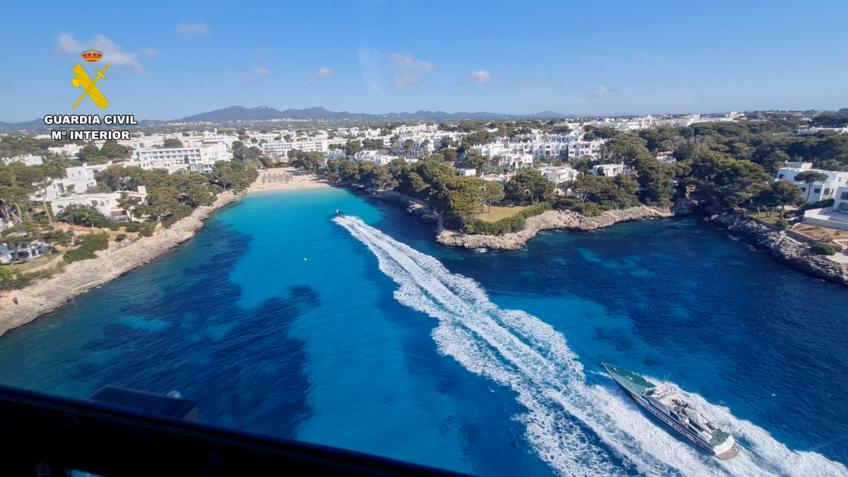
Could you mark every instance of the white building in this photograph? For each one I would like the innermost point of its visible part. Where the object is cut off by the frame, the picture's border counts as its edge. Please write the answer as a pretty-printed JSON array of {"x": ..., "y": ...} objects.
[
  {"x": 840, "y": 202},
  {"x": 67, "y": 150},
  {"x": 25, "y": 159},
  {"x": 467, "y": 172},
  {"x": 281, "y": 148},
  {"x": 335, "y": 154},
  {"x": 493, "y": 149},
  {"x": 25, "y": 252},
  {"x": 277, "y": 149},
  {"x": 502, "y": 178},
  {"x": 106, "y": 202},
  {"x": 585, "y": 149},
  {"x": 559, "y": 174},
  {"x": 815, "y": 130},
  {"x": 835, "y": 217},
  {"x": 550, "y": 149},
  {"x": 77, "y": 180},
  {"x": 198, "y": 159},
  {"x": 608, "y": 170},
  {"x": 666, "y": 157},
  {"x": 207, "y": 138},
  {"x": 815, "y": 191},
  {"x": 516, "y": 160},
  {"x": 375, "y": 156}
]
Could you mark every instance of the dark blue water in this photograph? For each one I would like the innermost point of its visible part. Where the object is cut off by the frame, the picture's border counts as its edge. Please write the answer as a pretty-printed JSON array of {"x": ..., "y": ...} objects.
[{"x": 278, "y": 321}]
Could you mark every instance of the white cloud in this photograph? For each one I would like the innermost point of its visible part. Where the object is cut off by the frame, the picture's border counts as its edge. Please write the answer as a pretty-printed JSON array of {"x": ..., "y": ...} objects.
[
  {"x": 113, "y": 54},
  {"x": 398, "y": 70},
  {"x": 196, "y": 30},
  {"x": 409, "y": 71},
  {"x": 604, "y": 91},
  {"x": 257, "y": 73},
  {"x": 480, "y": 77},
  {"x": 325, "y": 72}
]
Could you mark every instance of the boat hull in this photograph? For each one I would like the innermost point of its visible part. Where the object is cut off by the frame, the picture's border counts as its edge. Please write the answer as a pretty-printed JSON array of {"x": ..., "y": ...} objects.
[{"x": 633, "y": 385}]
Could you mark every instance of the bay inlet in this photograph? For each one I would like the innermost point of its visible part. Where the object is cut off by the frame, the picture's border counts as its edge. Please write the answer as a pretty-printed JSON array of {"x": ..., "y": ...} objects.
[{"x": 364, "y": 333}]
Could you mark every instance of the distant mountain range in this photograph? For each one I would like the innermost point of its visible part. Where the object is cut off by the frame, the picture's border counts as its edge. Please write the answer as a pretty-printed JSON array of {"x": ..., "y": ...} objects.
[
  {"x": 28, "y": 125},
  {"x": 265, "y": 113}
]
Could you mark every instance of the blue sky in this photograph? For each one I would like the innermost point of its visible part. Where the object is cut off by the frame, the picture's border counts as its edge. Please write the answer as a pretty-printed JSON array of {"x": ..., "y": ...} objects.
[{"x": 173, "y": 59}]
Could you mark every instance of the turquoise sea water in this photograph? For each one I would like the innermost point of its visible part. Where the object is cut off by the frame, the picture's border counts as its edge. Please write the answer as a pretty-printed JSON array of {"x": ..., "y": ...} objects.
[{"x": 367, "y": 335}]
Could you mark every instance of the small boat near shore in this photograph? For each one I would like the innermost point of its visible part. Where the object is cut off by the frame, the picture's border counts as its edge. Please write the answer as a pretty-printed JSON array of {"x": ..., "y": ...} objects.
[
  {"x": 670, "y": 406},
  {"x": 339, "y": 213}
]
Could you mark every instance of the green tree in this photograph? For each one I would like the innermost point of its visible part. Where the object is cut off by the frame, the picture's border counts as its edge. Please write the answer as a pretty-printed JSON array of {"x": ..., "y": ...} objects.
[
  {"x": 86, "y": 215},
  {"x": 112, "y": 150},
  {"x": 352, "y": 147},
  {"x": 626, "y": 148},
  {"x": 474, "y": 159},
  {"x": 416, "y": 186},
  {"x": 655, "y": 181},
  {"x": 172, "y": 142},
  {"x": 607, "y": 192},
  {"x": 449, "y": 154},
  {"x": 117, "y": 177},
  {"x": 529, "y": 186},
  {"x": 90, "y": 154},
  {"x": 239, "y": 151},
  {"x": 343, "y": 170},
  {"x": 89, "y": 244},
  {"x": 458, "y": 198},
  {"x": 231, "y": 175},
  {"x": 728, "y": 181},
  {"x": 372, "y": 143},
  {"x": 493, "y": 193},
  {"x": 779, "y": 193},
  {"x": 376, "y": 177},
  {"x": 309, "y": 161},
  {"x": 164, "y": 201},
  {"x": 809, "y": 178}
]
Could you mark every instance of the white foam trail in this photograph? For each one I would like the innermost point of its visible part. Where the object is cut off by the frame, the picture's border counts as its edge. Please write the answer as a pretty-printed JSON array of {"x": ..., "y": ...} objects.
[
  {"x": 566, "y": 420},
  {"x": 767, "y": 452}
]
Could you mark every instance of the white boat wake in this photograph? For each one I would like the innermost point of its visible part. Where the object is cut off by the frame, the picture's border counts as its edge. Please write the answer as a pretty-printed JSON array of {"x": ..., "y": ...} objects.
[{"x": 578, "y": 429}]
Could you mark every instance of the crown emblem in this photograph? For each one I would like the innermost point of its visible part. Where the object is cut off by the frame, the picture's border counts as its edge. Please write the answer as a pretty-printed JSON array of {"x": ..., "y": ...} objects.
[{"x": 91, "y": 55}]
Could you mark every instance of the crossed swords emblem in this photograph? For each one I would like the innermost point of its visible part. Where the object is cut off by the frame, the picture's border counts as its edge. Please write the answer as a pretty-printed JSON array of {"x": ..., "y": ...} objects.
[{"x": 89, "y": 86}]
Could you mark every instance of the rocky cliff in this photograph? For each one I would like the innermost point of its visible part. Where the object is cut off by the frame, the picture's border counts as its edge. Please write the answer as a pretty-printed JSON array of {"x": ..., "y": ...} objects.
[{"x": 782, "y": 247}]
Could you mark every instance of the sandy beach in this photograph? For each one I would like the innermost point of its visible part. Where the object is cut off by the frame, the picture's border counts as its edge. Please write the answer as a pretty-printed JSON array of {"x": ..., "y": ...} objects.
[
  {"x": 48, "y": 294},
  {"x": 285, "y": 178}
]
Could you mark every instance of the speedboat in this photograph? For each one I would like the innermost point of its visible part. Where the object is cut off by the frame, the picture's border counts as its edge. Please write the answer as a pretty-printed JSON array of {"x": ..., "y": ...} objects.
[{"x": 669, "y": 406}]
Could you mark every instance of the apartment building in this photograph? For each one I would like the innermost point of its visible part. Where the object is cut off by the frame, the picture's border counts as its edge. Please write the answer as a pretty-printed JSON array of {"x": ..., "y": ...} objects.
[
  {"x": 815, "y": 191},
  {"x": 198, "y": 159}
]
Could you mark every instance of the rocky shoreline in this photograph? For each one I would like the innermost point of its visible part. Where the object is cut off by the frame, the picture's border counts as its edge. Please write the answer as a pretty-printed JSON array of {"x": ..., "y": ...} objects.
[
  {"x": 77, "y": 278},
  {"x": 549, "y": 220},
  {"x": 414, "y": 207},
  {"x": 781, "y": 247}
]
